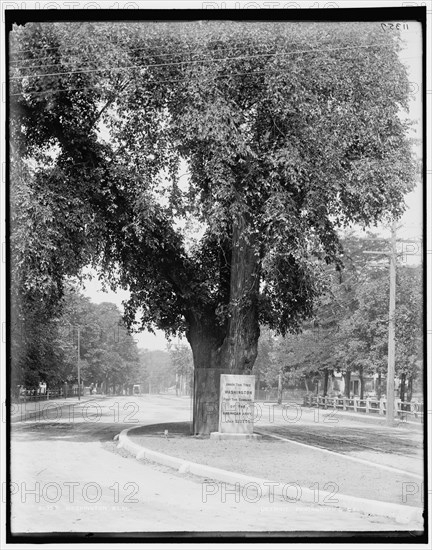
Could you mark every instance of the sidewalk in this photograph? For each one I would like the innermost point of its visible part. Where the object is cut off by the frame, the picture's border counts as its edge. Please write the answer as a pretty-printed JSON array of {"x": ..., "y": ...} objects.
[{"x": 373, "y": 418}]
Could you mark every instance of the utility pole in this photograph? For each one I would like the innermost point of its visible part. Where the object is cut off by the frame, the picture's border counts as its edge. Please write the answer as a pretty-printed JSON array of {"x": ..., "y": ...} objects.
[
  {"x": 391, "y": 332},
  {"x": 390, "y": 418},
  {"x": 78, "y": 364}
]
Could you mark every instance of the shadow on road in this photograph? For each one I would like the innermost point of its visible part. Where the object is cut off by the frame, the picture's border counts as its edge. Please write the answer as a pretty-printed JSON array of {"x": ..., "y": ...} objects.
[
  {"x": 97, "y": 420},
  {"x": 78, "y": 432}
]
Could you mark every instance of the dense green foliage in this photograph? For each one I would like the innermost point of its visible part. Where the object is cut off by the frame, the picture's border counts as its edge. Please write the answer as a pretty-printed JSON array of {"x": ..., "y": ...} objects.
[
  {"x": 294, "y": 126},
  {"x": 350, "y": 330},
  {"x": 46, "y": 350}
]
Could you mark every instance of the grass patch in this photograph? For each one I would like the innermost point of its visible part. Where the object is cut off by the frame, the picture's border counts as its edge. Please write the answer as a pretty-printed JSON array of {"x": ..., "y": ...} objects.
[{"x": 280, "y": 461}]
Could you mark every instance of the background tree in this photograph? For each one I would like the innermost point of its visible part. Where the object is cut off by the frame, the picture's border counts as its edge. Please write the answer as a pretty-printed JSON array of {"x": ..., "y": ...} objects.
[
  {"x": 265, "y": 370},
  {"x": 364, "y": 337},
  {"x": 158, "y": 371},
  {"x": 288, "y": 131},
  {"x": 349, "y": 333},
  {"x": 107, "y": 349},
  {"x": 46, "y": 348},
  {"x": 317, "y": 352},
  {"x": 182, "y": 362}
]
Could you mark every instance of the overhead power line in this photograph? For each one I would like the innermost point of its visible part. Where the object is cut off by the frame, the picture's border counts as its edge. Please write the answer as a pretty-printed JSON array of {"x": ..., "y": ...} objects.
[
  {"x": 63, "y": 63},
  {"x": 164, "y": 53},
  {"x": 172, "y": 81},
  {"x": 160, "y": 53},
  {"x": 155, "y": 82},
  {"x": 119, "y": 45},
  {"x": 177, "y": 63}
]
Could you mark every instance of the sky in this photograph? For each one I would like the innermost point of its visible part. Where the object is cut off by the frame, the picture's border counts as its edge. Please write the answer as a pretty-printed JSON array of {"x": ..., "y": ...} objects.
[{"x": 410, "y": 227}]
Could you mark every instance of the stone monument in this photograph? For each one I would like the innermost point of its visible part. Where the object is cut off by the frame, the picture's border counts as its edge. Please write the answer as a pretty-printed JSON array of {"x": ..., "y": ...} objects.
[{"x": 236, "y": 407}]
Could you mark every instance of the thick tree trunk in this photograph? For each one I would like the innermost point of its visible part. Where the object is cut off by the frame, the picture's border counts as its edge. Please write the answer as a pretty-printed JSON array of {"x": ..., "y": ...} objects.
[
  {"x": 207, "y": 369},
  {"x": 257, "y": 384},
  {"x": 280, "y": 387},
  {"x": 378, "y": 387},
  {"x": 410, "y": 388},
  {"x": 231, "y": 349},
  {"x": 361, "y": 383},
  {"x": 347, "y": 378},
  {"x": 326, "y": 379},
  {"x": 402, "y": 387},
  {"x": 240, "y": 346}
]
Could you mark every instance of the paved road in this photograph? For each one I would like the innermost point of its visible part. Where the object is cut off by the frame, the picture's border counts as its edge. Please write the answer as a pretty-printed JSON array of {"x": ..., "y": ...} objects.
[{"x": 68, "y": 476}]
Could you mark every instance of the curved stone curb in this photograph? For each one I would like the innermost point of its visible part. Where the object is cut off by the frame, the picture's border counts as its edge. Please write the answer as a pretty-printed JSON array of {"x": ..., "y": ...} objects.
[{"x": 398, "y": 512}]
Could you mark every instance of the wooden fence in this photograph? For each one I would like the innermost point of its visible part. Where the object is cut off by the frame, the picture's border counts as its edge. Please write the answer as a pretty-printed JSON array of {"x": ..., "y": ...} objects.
[
  {"x": 406, "y": 410},
  {"x": 61, "y": 393},
  {"x": 287, "y": 395}
]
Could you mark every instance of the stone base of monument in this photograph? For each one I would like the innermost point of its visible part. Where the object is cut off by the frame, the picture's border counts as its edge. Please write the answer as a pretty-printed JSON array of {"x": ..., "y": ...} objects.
[{"x": 221, "y": 435}]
